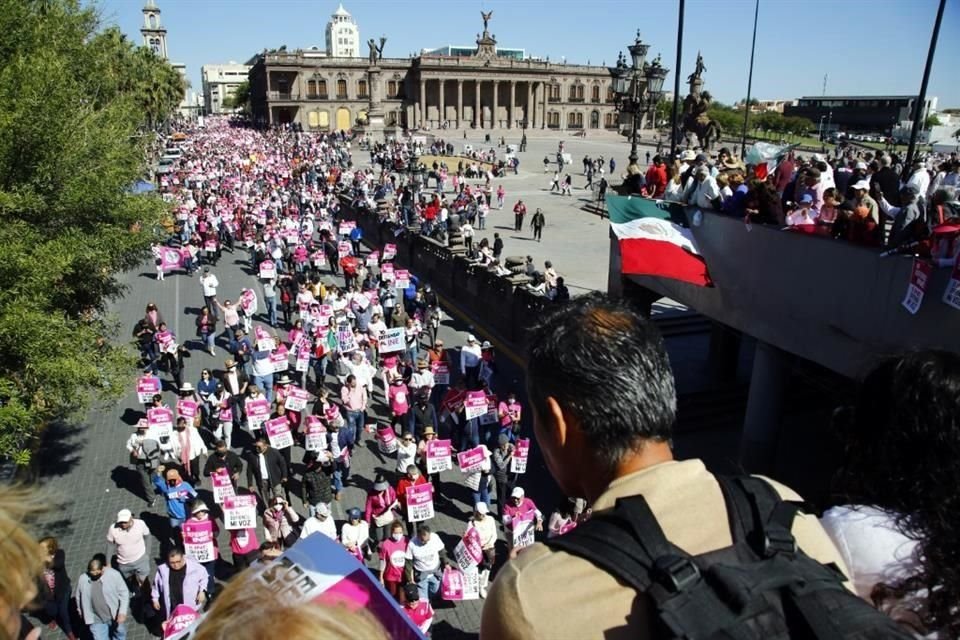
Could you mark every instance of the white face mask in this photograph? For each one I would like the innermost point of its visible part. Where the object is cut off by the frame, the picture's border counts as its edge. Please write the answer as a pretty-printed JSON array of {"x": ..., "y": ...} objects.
[
  {"x": 397, "y": 537},
  {"x": 278, "y": 507}
]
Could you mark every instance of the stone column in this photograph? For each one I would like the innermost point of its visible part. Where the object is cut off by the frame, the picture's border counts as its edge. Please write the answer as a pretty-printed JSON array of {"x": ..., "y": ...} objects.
[
  {"x": 543, "y": 105},
  {"x": 459, "y": 102},
  {"x": 761, "y": 424},
  {"x": 477, "y": 112},
  {"x": 527, "y": 107},
  {"x": 443, "y": 105},
  {"x": 511, "y": 112},
  {"x": 423, "y": 102},
  {"x": 493, "y": 111}
]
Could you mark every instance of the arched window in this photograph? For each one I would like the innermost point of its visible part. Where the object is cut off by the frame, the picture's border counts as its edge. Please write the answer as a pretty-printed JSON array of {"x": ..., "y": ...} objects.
[
  {"x": 575, "y": 120},
  {"x": 594, "y": 119},
  {"x": 610, "y": 121},
  {"x": 362, "y": 89},
  {"x": 393, "y": 89},
  {"x": 341, "y": 89},
  {"x": 312, "y": 89},
  {"x": 553, "y": 120},
  {"x": 322, "y": 89}
]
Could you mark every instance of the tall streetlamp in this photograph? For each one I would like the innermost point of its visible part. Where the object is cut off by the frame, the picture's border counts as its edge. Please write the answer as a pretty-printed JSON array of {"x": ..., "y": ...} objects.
[
  {"x": 820, "y": 128},
  {"x": 637, "y": 86}
]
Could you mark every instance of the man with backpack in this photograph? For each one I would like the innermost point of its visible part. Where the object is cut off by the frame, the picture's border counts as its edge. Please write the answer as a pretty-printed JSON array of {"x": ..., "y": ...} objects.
[{"x": 603, "y": 399}]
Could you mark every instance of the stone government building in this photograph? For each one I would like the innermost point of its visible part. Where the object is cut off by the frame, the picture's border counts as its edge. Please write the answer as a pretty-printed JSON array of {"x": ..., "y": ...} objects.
[{"x": 484, "y": 90}]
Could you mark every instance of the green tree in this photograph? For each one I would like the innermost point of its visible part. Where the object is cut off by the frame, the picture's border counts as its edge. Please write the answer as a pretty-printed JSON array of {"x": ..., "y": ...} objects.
[
  {"x": 931, "y": 121},
  {"x": 240, "y": 98},
  {"x": 72, "y": 99}
]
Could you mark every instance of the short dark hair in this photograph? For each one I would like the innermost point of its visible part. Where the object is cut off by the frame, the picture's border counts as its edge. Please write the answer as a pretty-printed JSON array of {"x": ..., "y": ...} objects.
[
  {"x": 175, "y": 551},
  {"x": 604, "y": 362}
]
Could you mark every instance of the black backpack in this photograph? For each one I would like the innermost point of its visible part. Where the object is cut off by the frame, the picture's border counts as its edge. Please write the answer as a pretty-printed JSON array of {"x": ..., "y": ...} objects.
[{"x": 761, "y": 588}]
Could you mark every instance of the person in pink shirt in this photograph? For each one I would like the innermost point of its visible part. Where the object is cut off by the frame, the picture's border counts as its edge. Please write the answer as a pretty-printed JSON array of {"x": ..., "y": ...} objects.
[
  {"x": 509, "y": 412},
  {"x": 245, "y": 547},
  {"x": 501, "y": 194},
  {"x": 399, "y": 397},
  {"x": 379, "y": 511},
  {"x": 419, "y": 611},
  {"x": 393, "y": 559},
  {"x": 519, "y": 505}
]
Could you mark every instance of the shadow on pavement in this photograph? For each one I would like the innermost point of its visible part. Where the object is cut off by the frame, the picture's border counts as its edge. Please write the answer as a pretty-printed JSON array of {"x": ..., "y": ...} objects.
[{"x": 57, "y": 454}]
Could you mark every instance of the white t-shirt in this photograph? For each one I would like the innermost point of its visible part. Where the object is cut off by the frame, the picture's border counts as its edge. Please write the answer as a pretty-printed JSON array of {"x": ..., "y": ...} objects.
[
  {"x": 871, "y": 546},
  {"x": 487, "y": 528},
  {"x": 354, "y": 534},
  {"x": 328, "y": 527},
  {"x": 425, "y": 556},
  {"x": 130, "y": 543},
  {"x": 406, "y": 454}
]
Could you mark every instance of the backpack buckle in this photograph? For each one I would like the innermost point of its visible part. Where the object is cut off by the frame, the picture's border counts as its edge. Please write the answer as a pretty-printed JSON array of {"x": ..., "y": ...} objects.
[
  {"x": 675, "y": 573},
  {"x": 778, "y": 540}
]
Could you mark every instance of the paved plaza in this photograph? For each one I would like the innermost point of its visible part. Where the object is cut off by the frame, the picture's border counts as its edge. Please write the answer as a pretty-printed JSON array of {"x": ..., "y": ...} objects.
[{"x": 85, "y": 466}]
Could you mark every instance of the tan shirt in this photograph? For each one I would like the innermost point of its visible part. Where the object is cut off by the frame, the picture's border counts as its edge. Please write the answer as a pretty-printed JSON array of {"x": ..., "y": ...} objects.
[{"x": 554, "y": 595}]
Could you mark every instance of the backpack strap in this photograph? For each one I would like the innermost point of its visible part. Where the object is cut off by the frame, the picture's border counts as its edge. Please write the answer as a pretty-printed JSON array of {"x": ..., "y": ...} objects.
[{"x": 759, "y": 516}]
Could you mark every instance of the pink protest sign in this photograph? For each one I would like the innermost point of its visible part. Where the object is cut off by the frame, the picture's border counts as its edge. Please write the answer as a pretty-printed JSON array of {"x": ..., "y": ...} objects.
[
  {"x": 265, "y": 342},
  {"x": 315, "y": 436},
  {"x": 475, "y": 404},
  {"x": 222, "y": 487},
  {"x": 297, "y": 399},
  {"x": 160, "y": 420},
  {"x": 147, "y": 387},
  {"x": 278, "y": 359},
  {"x": 257, "y": 412},
  {"x": 278, "y": 433},
  {"x": 460, "y": 585},
  {"x": 268, "y": 269},
  {"x": 521, "y": 452},
  {"x": 170, "y": 258},
  {"x": 248, "y": 301},
  {"x": 187, "y": 409},
  {"x": 346, "y": 227},
  {"x": 386, "y": 272},
  {"x": 420, "y": 502},
  {"x": 951, "y": 295},
  {"x": 389, "y": 251},
  {"x": 402, "y": 278},
  {"x": 471, "y": 460},
  {"x": 469, "y": 551},
  {"x": 181, "y": 619},
  {"x": 386, "y": 440},
  {"x": 226, "y": 414},
  {"x": 240, "y": 512},
  {"x": 344, "y": 248},
  {"x": 373, "y": 258},
  {"x": 319, "y": 258},
  {"x": 439, "y": 456},
  {"x": 198, "y": 540},
  {"x": 303, "y": 358},
  {"x": 441, "y": 372},
  {"x": 524, "y": 527},
  {"x": 919, "y": 279}
]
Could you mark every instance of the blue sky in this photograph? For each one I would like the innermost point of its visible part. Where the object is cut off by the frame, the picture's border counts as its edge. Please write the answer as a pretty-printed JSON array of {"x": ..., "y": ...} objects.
[{"x": 863, "y": 46}]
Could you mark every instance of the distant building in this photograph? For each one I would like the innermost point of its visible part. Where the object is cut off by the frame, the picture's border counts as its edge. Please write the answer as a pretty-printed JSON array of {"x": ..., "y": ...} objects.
[
  {"x": 220, "y": 81},
  {"x": 155, "y": 37},
  {"x": 761, "y": 106},
  {"x": 866, "y": 114},
  {"x": 343, "y": 35},
  {"x": 467, "y": 51}
]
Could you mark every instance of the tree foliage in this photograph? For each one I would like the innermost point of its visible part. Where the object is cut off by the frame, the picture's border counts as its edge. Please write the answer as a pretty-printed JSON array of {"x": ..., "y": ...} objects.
[
  {"x": 74, "y": 101},
  {"x": 240, "y": 98},
  {"x": 931, "y": 121}
]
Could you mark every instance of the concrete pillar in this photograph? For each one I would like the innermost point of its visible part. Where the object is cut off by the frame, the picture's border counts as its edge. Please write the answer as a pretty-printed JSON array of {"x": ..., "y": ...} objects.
[
  {"x": 423, "y": 102},
  {"x": 459, "y": 102},
  {"x": 543, "y": 105},
  {"x": 477, "y": 112},
  {"x": 443, "y": 105},
  {"x": 494, "y": 123},
  {"x": 511, "y": 112},
  {"x": 724, "y": 352},
  {"x": 528, "y": 106},
  {"x": 761, "y": 424}
]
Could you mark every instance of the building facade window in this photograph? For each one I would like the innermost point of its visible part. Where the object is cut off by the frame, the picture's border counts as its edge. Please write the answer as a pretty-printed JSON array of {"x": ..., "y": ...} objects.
[
  {"x": 553, "y": 120},
  {"x": 610, "y": 96},
  {"x": 576, "y": 93},
  {"x": 595, "y": 93},
  {"x": 575, "y": 120},
  {"x": 341, "y": 89},
  {"x": 362, "y": 89},
  {"x": 594, "y": 119},
  {"x": 393, "y": 89},
  {"x": 554, "y": 95},
  {"x": 610, "y": 121}
]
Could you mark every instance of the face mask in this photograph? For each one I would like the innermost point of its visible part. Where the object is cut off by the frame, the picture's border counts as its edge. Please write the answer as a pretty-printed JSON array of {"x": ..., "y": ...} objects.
[
  {"x": 222, "y": 454},
  {"x": 171, "y": 483},
  {"x": 397, "y": 537},
  {"x": 278, "y": 507},
  {"x": 95, "y": 577}
]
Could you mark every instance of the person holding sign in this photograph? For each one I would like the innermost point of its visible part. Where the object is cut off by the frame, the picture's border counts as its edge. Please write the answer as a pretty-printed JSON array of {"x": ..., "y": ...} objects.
[
  {"x": 412, "y": 479},
  {"x": 266, "y": 471},
  {"x": 320, "y": 522},
  {"x": 509, "y": 413},
  {"x": 200, "y": 540},
  {"x": 486, "y": 528},
  {"x": 279, "y": 521},
  {"x": 224, "y": 458},
  {"x": 316, "y": 485},
  {"x": 519, "y": 510},
  {"x": 188, "y": 447},
  {"x": 380, "y": 510},
  {"x": 501, "y": 459},
  {"x": 177, "y": 493},
  {"x": 355, "y": 535}
]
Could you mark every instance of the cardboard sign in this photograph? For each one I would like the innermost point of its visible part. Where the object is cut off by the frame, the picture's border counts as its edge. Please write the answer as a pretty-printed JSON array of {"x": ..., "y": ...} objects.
[
  {"x": 389, "y": 251},
  {"x": 278, "y": 432},
  {"x": 475, "y": 404},
  {"x": 160, "y": 420},
  {"x": 387, "y": 440},
  {"x": 268, "y": 269},
  {"x": 460, "y": 585},
  {"x": 278, "y": 359},
  {"x": 147, "y": 387},
  {"x": 222, "y": 487},
  {"x": 182, "y": 618},
  {"x": 386, "y": 272},
  {"x": 297, "y": 399},
  {"x": 344, "y": 248},
  {"x": 402, "y": 278},
  {"x": 490, "y": 417},
  {"x": 471, "y": 460},
  {"x": 919, "y": 279},
  {"x": 346, "y": 226},
  {"x": 265, "y": 341},
  {"x": 524, "y": 527},
  {"x": 373, "y": 258},
  {"x": 258, "y": 411},
  {"x": 469, "y": 551},
  {"x": 315, "y": 435},
  {"x": 420, "y": 503},
  {"x": 951, "y": 294},
  {"x": 187, "y": 409},
  {"x": 240, "y": 512},
  {"x": 198, "y": 541},
  {"x": 226, "y": 414},
  {"x": 303, "y": 359},
  {"x": 441, "y": 372},
  {"x": 346, "y": 340},
  {"x": 439, "y": 454},
  {"x": 521, "y": 452},
  {"x": 248, "y": 301},
  {"x": 393, "y": 340}
]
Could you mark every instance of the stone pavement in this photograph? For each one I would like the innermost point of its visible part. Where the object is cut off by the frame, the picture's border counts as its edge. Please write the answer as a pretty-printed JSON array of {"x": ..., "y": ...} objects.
[{"x": 85, "y": 466}]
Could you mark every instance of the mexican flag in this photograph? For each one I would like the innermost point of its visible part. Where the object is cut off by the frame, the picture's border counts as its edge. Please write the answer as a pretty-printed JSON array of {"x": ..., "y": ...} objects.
[{"x": 655, "y": 241}]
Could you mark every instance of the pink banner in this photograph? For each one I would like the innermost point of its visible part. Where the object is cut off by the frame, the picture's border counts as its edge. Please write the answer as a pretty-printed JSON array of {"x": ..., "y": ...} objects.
[
  {"x": 268, "y": 269},
  {"x": 919, "y": 279},
  {"x": 439, "y": 454},
  {"x": 469, "y": 551},
  {"x": 315, "y": 434},
  {"x": 389, "y": 251},
  {"x": 471, "y": 460},
  {"x": 297, "y": 399},
  {"x": 386, "y": 440},
  {"x": 182, "y": 618},
  {"x": 257, "y": 412},
  {"x": 161, "y": 420},
  {"x": 198, "y": 540},
  {"x": 222, "y": 487},
  {"x": 420, "y": 502},
  {"x": 521, "y": 452},
  {"x": 186, "y": 409},
  {"x": 147, "y": 387},
  {"x": 278, "y": 433},
  {"x": 441, "y": 372},
  {"x": 240, "y": 512},
  {"x": 475, "y": 404}
]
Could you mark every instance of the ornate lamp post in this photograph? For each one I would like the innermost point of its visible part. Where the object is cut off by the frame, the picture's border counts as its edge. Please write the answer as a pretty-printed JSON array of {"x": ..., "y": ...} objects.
[{"x": 637, "y": 87}]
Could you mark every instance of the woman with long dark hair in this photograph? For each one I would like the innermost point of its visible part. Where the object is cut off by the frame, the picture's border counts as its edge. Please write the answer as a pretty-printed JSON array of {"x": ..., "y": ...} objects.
[{"x": 899, "y": 530}]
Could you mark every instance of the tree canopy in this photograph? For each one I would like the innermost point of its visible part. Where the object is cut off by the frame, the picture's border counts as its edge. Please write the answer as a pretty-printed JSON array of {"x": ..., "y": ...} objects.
[{"x": 76, "y": 105}]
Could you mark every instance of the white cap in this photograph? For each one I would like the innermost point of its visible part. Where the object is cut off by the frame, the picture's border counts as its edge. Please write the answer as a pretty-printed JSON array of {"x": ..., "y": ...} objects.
[
  {"x": 471, "y": 337},
  {"x": 322, "y": 509},
  {"x": 517, "y": 492},
  {"x": 861, "y": 165},
  {"x": 862, "y": 184},
  {"x": 124, "y": 515},
  {"x": 481, "y": 507}
]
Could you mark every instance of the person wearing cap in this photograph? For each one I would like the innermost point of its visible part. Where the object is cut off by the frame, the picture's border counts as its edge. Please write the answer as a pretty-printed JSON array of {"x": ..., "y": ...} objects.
[
  {"x": 908, "y": 223},
  {"x": 804, "y": 216},
  {"x": 519, "y": 505},
  {"x": 242, "y": 349},
  {"x": 426, "y": 558},
  {"x": 862, "y": 198},
  {"x": 321, "y": 521},
  {"x": 144, "y": 450},
  {"x": 486, "y": 528},
  {"x": 279, "y": 520},
  {"x": 355, "y": 535},
  {"x": 201, "y": 525},
  {"x": 180, "y": 580},
  {"x": 177, "y": 493},
  {"x": 470, "y": 356},
  {"x": 423, "y": 415},
  {"x": 421, "y": 381},
  {"x": 127, "y": 540},
  {"x": 393, "y": 559},
  {"x": 417, "y": 609}
]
